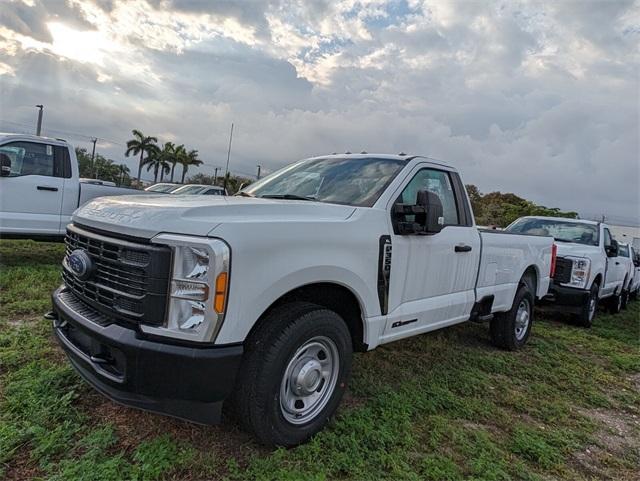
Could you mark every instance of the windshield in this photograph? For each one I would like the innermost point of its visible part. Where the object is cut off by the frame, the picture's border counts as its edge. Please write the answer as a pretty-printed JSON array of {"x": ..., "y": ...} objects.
[
  {"x": 189, "y": 189},
  {"x": 161, "y": 188},
  {"x": 351, "y": 181},
  {"x": 562, "y": 231}
]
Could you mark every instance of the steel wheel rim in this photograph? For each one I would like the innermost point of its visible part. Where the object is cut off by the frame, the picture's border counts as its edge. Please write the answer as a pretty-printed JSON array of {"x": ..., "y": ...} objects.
[
  {"x": 523, "y": 318},
  {"x": 309, "y": 380}
]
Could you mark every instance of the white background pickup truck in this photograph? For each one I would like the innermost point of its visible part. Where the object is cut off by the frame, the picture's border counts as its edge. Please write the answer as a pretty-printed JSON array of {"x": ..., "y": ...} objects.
[
  {"x": 588, "y": 268},
  {"x": 40, "y": 187},
  {"x": 176, "y": 304}
]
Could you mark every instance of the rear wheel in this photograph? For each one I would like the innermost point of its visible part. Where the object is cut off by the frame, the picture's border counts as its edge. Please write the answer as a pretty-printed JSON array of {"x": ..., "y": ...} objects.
[
  {"x": 588, "y": 313},
  {"x": 294, "y": 374},
  {"x": 510, "y": 330}
]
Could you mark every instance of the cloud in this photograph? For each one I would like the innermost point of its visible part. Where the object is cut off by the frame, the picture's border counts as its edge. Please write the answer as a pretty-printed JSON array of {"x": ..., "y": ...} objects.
[{"x": 540, "y": 99}]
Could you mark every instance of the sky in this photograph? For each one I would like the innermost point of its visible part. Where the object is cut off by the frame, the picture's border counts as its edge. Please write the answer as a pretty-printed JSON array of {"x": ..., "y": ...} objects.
[{"x": 541, "y": 99}]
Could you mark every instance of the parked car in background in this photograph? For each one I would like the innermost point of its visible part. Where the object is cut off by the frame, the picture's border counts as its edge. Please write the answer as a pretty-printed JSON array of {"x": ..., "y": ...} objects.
[
  {"x": 199, "y": 189},
  {"x": 588, "y": 269},
  {"x": 162, "y": 187},
  {"x": 40, "y": 187},
  {"x": 260, "y": 299},
  {"x": 634, "y": 288},
  {"x": 624, "y": 257}
]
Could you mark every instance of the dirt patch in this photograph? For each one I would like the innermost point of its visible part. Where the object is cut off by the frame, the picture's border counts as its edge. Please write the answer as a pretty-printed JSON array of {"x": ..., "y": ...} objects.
[
  {"x": 134, "y": 426},
  {"x": 617, "y": 443},
  {"x": 21, "y": 467}
]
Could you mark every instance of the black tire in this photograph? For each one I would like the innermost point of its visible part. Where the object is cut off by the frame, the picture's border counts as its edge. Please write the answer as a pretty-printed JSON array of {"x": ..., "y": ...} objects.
[
  {"x": 615, "y": 303},
  {"x": 270, "y": 353},
  {"x": 624, "y": 299},
  {"x": 506, "y": 327},
  {"x": 588, "y": 314}
]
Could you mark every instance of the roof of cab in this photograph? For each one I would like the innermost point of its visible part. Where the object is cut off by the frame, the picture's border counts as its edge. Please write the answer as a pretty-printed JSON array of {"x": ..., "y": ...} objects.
[
  {"x": 4, "y": 136},
  {"x": 368, "y": 155},
  {"x": 563, "y": 219}
]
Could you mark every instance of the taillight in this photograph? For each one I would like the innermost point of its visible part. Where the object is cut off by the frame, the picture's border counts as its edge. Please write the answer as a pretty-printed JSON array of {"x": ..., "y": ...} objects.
[{"x": 554, "y": 251}]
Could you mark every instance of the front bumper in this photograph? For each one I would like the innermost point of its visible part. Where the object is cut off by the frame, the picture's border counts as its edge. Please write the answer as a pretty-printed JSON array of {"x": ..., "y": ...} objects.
[
  {"x": 570, "y": 299},
  {"x": 183, "y": 381}
]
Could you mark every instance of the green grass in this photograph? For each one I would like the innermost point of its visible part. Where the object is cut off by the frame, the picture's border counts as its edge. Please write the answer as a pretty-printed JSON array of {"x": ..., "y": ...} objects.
[{"x": 443, "y": 406}]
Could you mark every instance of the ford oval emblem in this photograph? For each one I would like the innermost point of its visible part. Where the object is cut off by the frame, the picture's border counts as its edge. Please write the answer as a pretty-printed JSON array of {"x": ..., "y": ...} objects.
[{"x": 80, "y": 264}]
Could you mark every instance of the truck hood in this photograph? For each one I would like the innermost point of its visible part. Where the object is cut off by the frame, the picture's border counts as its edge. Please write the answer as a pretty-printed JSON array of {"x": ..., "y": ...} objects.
[
  {"x": 577, "y": 250},
  {"x": 148, "y": 215}
]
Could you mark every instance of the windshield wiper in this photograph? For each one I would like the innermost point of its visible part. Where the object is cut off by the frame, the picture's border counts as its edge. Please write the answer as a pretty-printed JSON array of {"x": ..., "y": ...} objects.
[
  {"x": 287, "y": 196},
  {"x": 562, "y": 240},
  {"x": 243, "y": 194}
]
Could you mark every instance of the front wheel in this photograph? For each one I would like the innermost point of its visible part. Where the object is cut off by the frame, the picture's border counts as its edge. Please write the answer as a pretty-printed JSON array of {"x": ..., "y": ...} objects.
[
  {"x": 588, "y": 312},
  {"x": 625, "y": 299},
  {"x": 510, "y": 330},
  {"x": 615, "y": 303},
  {"x": 294, "y": 374}
]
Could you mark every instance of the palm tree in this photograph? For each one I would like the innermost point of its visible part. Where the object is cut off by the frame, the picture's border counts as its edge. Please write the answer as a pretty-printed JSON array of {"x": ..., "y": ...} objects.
[
  {"x": 191, "y": 158},
  {"x": 124, "y": 171},
  {"x": 159, "y": 163},
  {"x": 168, "y": 154},
  {"x": 178, "y": 154},
  {"x": 141, "y": 144}
]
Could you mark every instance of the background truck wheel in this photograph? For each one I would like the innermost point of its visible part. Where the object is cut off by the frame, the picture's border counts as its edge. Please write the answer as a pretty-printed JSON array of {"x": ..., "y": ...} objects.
[
  {"x": 624, "y": 299},
  {"x": 294, "y": 374},
  {"x": 588, "y": 313},
  {"x": 510, "y": 330},
  {"x": 615, "y": 303}
]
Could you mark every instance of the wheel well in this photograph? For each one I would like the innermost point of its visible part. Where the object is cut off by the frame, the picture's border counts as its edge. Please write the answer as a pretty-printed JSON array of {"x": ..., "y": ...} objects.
[
  {"x": 532, "y": 273},
  {"x": 333, "y": 297},
  {"x": 598, "y": 280}
]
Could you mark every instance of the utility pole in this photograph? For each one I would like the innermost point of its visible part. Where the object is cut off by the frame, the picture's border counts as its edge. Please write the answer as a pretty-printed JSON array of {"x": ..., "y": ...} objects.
[
  {"x": 93, "y": 155},
  {"x": 259, "y": 167},
  {"x": 226, "y": 170},
  {"x": 215, "y": 175},
  {"x": 39, "y": 127}
]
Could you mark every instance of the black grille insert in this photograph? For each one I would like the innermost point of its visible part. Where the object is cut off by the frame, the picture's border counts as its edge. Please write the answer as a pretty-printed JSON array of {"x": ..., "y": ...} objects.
[
  {"x": 563, "y": 270},
  {"x": 130, "y": 280}
]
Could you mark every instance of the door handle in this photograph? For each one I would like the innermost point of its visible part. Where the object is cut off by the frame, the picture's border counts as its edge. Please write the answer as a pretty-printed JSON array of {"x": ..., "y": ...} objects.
[
  {"x": 46, "y": 187},
  {"x": 617, "y": 263},
  {"x": 462, "y": 248}
]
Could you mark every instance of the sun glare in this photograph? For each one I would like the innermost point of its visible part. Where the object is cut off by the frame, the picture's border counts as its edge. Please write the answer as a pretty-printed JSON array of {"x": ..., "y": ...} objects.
[{"x": 83, "y": 46}]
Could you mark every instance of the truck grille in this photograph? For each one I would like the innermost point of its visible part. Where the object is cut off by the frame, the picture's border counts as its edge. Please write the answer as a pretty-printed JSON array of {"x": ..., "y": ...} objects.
[
  {"x": 563, "y": 270},
  {"x": 129, "y": 280}
]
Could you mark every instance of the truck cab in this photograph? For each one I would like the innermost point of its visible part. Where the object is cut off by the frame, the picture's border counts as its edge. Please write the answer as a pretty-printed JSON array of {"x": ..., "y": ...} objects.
[
  {"x": 40, "y": 187},
  {"x": 588, "y": 269}
]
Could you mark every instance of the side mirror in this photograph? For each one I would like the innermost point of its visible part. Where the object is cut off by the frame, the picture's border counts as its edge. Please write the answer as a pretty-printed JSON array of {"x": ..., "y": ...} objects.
[
  {"x": 434, "y": 215},
  {"x": 5, "y": 165},
  {"x": 612, "y": 249},
  {"x": 427, "y": 213}
]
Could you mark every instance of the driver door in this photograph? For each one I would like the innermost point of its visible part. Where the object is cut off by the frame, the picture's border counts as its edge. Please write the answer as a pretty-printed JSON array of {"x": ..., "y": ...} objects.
[{"x": 432, "y": 277}]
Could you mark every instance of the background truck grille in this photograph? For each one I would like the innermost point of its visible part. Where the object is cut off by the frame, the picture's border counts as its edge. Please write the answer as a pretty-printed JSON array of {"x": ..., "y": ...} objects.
[
  {"x": 130, "y": 279},
  {"x": 563, "y": 270}
]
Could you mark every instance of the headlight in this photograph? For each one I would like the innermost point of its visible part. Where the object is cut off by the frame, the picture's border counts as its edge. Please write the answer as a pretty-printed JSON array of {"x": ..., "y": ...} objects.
[
  {"x": 580, "y": 270},
  {"x": 198, "y": 288}
]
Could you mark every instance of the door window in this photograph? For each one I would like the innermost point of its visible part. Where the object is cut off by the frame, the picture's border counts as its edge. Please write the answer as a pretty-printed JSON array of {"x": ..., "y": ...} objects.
[
  {"x": 438, "y": 182},
  {"x": 29, "y": 158}
]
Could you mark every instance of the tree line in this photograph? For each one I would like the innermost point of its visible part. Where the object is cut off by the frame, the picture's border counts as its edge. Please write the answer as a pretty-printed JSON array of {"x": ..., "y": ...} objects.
[
  {"x": 496, "y": 208},
  {"x": 161, "y": 159}
]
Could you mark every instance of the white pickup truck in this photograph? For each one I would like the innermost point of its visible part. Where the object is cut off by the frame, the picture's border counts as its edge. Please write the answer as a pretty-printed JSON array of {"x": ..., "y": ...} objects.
[
  {"x": 176, "y": 304},
  {"x": 588, "y": 269},
  {"x": 40, "y": 187}
]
